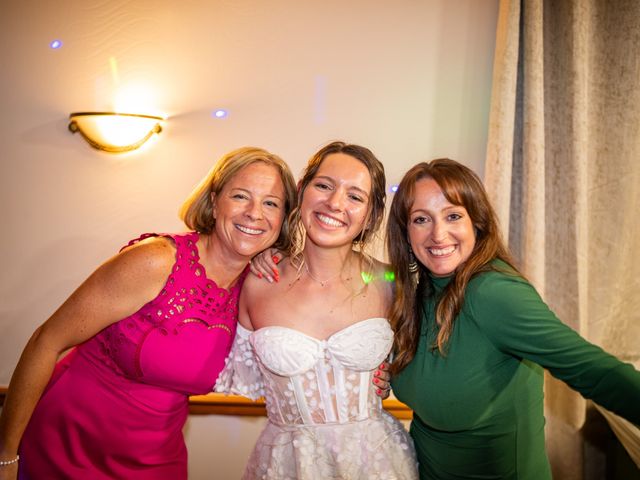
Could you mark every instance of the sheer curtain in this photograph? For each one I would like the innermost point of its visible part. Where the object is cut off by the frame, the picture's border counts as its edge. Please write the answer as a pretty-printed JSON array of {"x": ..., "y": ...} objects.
[{"x": 563, "y": 170}]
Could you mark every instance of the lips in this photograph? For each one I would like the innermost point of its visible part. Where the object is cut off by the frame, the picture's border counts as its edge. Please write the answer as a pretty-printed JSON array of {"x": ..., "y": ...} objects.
[
  {"x": 329, "y": 221},
  {"x": 248, "y": 230},
  {"x": 441, "y": 252}
]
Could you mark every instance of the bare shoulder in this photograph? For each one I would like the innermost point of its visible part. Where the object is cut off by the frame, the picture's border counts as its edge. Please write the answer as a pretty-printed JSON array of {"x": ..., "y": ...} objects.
[
  {"x": 379, "y": 271},
  {"x": 381, "y": 276},
  {"x": 149, "y": 261},
  {"x": 116, "y": 289},
  {"x": 154, "y": 253},
  {"x": 257, "y": 286},
  {"x": 256, "y": 295},
  {"x": 260, "y": 292},
  {"x": 252, "y": 285}
]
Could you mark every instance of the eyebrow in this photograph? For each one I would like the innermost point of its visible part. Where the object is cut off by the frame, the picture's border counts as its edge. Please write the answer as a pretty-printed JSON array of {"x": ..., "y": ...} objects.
[
  {"x": 446, "y": 209},
  {"x": 249, "y": 192},
  {"x": 350, "y": 188}
]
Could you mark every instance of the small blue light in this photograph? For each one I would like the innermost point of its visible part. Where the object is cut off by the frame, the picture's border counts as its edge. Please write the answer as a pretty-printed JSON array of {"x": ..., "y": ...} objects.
[
  {"x": 393, "y": 188},
  {"x": 220, "y": 113},
  {"x": 55, "y": 44}
]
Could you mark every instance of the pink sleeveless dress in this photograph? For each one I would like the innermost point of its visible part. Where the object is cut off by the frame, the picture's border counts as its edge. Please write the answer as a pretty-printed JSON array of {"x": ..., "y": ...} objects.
[{"x": 116, "y": 405}]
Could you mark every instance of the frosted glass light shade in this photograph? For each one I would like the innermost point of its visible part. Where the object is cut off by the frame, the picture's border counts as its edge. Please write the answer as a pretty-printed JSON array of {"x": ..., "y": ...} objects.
[{"x": 114, "y": 132}]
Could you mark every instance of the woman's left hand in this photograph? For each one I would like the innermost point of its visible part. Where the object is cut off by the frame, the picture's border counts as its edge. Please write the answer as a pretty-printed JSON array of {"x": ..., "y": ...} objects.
[{"x": 382, "y": 380}]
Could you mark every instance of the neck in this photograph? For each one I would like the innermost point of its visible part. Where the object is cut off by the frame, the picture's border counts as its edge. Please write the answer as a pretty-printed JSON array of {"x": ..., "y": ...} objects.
[
  {"x": 326, "y": 265},
  {"x": 222, "y": 266}
]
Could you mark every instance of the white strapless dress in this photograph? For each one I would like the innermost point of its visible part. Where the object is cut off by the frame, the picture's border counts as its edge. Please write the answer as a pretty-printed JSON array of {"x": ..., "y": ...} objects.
[{"x": 325, "y": 420}]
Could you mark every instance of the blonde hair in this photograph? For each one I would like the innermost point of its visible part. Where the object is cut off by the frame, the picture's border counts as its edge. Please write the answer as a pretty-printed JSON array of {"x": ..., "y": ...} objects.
[{"x": 197, "y": 210}]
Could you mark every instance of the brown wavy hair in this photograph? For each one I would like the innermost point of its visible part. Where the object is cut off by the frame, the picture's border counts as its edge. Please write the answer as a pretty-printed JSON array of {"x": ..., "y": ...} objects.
[
  {"x": 197, "y": 210},
  {"x": 461, "y": 186},
  {"x": 377, "y": 198}
]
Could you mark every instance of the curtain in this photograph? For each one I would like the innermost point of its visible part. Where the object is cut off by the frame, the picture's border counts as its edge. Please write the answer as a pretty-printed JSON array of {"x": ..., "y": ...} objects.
[{"x": 563, "y": 171}]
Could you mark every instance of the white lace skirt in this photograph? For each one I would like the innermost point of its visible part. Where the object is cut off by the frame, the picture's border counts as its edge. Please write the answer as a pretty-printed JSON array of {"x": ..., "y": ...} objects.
[{"x": 377, "y": 448}]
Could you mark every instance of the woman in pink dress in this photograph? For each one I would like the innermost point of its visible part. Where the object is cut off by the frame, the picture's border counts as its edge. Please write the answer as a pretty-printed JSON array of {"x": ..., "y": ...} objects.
[{"x": 151, "y": 326}]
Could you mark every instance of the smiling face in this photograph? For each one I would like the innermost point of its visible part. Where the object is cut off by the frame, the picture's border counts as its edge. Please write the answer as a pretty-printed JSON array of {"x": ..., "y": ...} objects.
[
  {"x": 441, "y": 234},
  {"x": 249, "y": 210},
  {"x": 336, "y": 201}
]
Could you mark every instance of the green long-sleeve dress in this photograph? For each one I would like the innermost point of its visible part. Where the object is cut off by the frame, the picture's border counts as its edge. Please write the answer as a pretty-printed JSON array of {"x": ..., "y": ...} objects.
[{"x": 478, "y": 411}]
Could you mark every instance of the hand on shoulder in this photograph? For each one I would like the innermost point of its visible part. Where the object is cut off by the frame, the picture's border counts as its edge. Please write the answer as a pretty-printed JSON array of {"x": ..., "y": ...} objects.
[{"x": 265, "y": 264}]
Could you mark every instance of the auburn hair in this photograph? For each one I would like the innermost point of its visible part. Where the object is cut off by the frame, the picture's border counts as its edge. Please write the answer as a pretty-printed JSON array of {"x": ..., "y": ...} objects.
[{"x": 461, "y": 186}]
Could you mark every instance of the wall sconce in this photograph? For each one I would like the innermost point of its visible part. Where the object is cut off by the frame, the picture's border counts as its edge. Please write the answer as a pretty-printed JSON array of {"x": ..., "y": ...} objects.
[{"x": 114, "y": 132}]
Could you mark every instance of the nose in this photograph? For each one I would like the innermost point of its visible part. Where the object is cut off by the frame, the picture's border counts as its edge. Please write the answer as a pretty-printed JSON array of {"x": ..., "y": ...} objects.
[
  {"x": 335, "y": 200},
  {"x": 254, "y": 210},
  {"x": 439, "y": 232}
]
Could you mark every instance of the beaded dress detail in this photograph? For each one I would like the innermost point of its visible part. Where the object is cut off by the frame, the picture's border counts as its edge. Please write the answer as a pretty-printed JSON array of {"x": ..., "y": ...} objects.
[
  {"x": 325, "y": 420},
  {"x": 116, "y": 405}
]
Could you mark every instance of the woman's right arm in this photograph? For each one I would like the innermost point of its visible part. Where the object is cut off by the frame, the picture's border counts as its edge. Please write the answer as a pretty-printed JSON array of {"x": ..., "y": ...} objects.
[{"x": 117, "y": 289}]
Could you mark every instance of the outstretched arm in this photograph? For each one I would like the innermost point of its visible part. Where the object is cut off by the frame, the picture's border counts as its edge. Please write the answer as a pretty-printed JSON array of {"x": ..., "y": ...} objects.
[{"x": 514, "y": 317}]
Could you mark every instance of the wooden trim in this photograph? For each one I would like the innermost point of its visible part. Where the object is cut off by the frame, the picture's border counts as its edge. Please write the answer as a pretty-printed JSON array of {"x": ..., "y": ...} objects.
[{"x": 218, "y": 404}]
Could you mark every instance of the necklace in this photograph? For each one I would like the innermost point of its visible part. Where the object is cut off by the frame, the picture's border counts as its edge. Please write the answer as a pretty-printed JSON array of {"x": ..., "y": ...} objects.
[{"x": 321, "y": 282}]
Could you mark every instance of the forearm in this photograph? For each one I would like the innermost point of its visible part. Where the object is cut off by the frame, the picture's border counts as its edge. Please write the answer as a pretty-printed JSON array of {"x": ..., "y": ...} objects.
[
  {"x": 619, "y": 391},
  {"x": 27, "y": 384}
]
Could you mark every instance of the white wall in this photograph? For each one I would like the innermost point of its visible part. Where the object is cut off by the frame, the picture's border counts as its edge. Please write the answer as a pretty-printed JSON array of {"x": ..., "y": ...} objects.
[{"x": 410, "y": 79}]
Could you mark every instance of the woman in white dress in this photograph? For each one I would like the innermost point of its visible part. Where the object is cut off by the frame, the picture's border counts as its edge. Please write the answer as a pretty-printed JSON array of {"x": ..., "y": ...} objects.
[{"x": 310, "y": 341}]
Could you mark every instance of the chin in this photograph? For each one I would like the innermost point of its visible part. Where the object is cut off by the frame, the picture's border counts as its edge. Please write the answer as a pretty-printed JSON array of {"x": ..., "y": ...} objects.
[
  {"x": 442, "y": 272},
  {"x": 250, "y": 251}
]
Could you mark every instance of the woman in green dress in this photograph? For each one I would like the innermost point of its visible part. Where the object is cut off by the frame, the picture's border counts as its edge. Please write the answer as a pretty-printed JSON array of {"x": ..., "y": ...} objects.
[{"x": 471, "y": 336}]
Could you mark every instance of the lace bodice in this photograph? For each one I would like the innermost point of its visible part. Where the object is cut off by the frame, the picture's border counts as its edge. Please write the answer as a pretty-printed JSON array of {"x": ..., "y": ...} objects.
[
  {"x": 307, "y": 380},
  {"x": 179, "y": 336}
]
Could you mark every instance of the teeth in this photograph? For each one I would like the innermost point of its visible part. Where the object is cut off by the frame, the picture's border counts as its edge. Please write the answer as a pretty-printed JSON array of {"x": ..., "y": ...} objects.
[
  {"x": 329, "y": 221},
  {"x": 250, "y": 231},
  {"x": 441, "y": 251}
]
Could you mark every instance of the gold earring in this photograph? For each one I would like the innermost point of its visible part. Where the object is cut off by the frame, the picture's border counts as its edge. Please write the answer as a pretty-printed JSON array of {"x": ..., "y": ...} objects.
[{"x": 413, "y": 264}]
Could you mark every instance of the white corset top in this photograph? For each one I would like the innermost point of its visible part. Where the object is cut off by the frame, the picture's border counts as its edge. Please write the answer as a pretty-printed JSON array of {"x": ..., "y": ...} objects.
[
  {"x": 288, "y": 352},
  {"x": 308, "y": 381}
]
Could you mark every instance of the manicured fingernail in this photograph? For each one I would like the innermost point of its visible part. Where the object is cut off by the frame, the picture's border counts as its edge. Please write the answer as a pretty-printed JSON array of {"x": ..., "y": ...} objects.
[
  {"x": 378, "y": 391},
  {"x": 382, "y": 367},
  {"x": 275, "y": 259},
  {"x": 376, "y": 381},
  {"x": 259, "y": 275},
  {"x": 376, "y": 373},
  {"x": 269, "y": 279}
]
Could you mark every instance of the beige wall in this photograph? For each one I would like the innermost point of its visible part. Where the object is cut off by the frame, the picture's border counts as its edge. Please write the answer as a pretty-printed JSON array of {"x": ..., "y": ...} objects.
[{"x": 410, "y": 79}]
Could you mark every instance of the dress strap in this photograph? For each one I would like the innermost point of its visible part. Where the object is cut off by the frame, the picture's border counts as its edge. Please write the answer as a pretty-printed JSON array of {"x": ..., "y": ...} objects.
[
  {"x": 139, "y": 239},
  {"x": 177, "y": 238}
]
